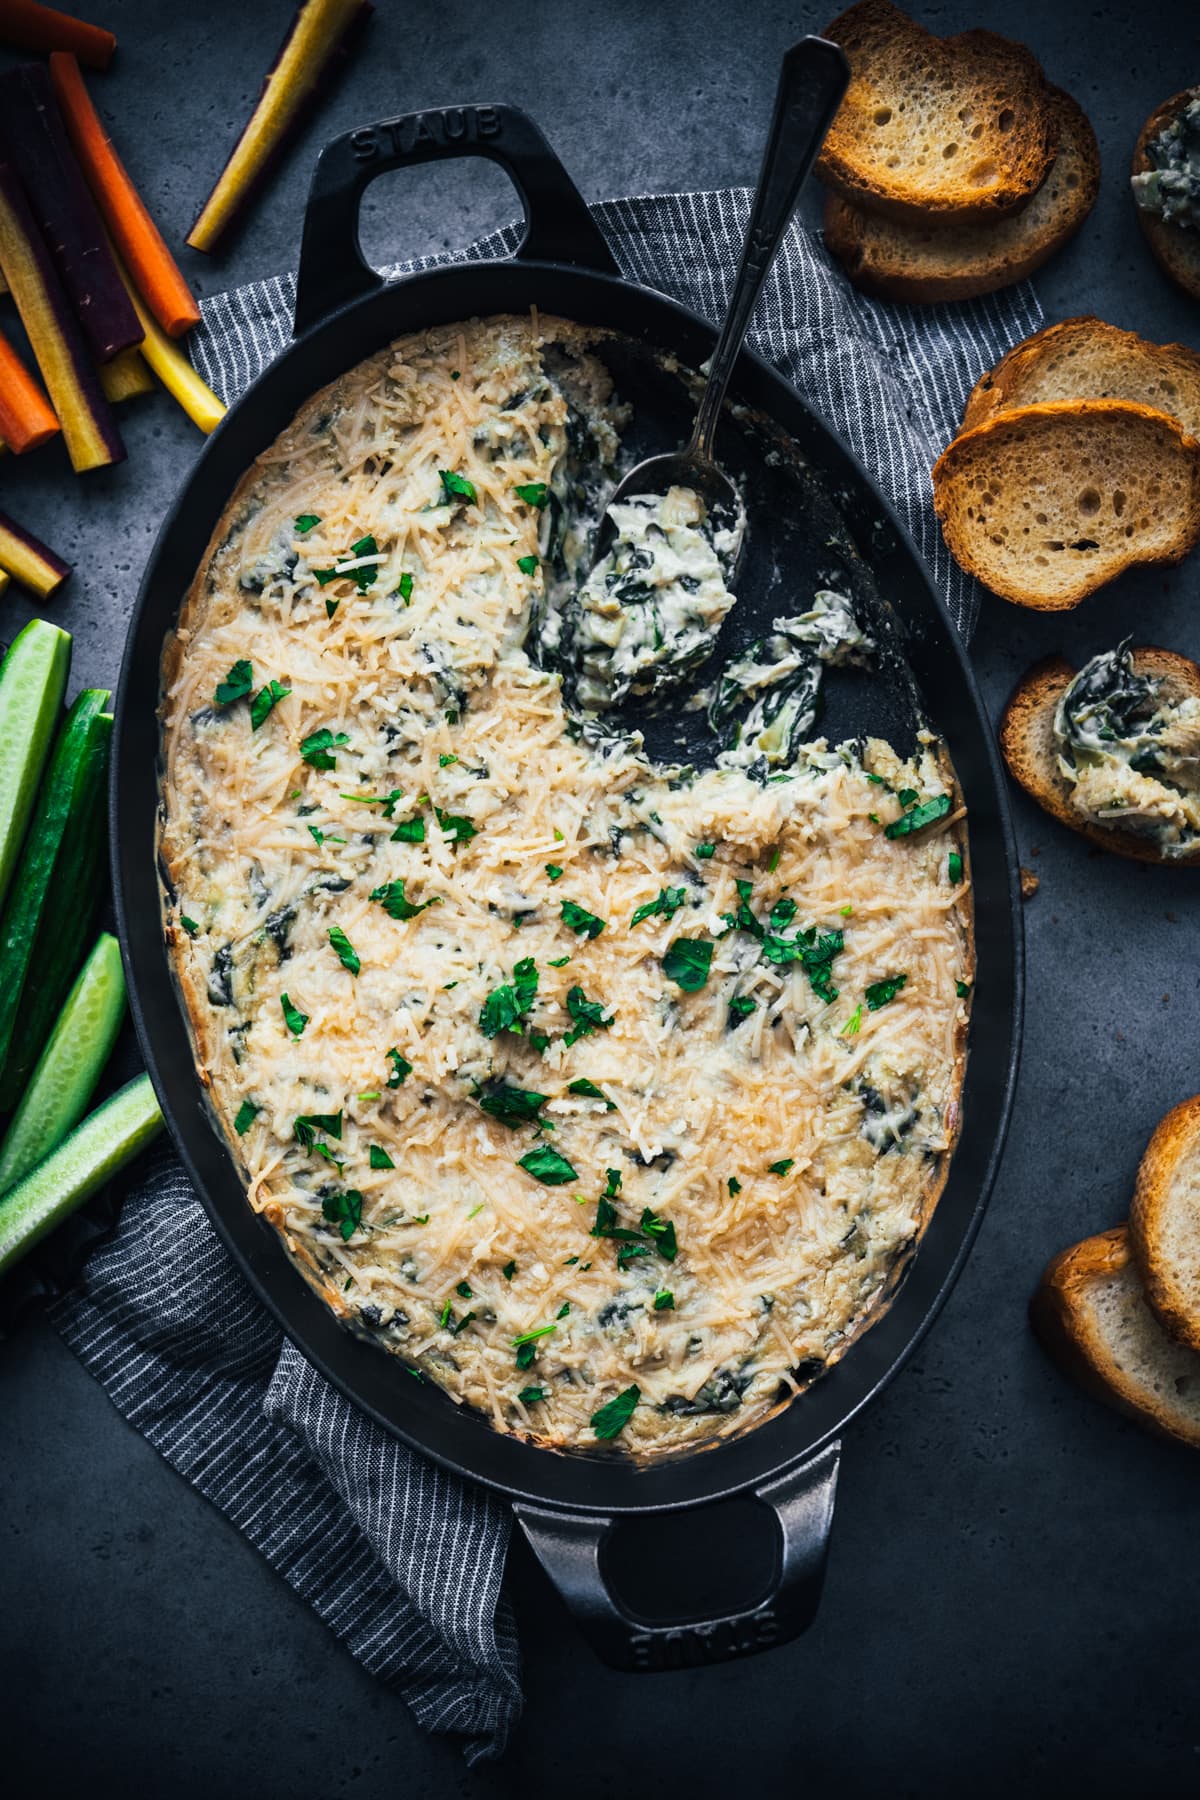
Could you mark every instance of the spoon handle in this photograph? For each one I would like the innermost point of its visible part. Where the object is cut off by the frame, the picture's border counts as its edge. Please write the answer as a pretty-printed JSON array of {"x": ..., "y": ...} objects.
[{"x": 813, "y": 79}]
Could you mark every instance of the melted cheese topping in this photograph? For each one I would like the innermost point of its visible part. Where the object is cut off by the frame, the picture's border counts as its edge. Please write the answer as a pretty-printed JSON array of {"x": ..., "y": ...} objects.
[{"x": 404, "y": 890}]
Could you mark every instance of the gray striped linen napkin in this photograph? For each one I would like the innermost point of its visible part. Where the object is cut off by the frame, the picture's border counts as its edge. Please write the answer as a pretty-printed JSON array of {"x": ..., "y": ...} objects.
[{"x": 403, "y": 1561}]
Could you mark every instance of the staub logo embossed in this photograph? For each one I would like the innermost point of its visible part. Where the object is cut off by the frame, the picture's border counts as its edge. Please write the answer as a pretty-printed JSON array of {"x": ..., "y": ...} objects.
[
  {"x": 443, "y": 126},
  {"x": 691, "y": 1646}
]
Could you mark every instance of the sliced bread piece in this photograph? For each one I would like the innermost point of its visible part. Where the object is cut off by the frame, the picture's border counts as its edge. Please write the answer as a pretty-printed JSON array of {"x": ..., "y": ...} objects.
[
  {"x": 1090, "y": 1313},
  {"x": 1164, "y": 1222},
  {"x": 1027, "y": 742},
  {"x": 1175, "y": 248},
  {"x": 1047, "y": 503},
  {"x": 1085, "y": 359},
  {"x": 899, "y": 259},
  {"x": 949, "y": 128}
]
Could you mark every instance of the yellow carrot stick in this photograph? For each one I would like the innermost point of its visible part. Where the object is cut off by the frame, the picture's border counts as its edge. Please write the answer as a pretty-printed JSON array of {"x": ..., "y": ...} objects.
[
  {"x": 125, "y": 377},
  {"x": 172, "y": 366}
]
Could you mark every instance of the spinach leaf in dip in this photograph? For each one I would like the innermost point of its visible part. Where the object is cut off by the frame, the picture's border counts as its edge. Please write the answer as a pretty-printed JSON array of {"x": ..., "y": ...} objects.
[
  {"x": 765, "y": 705},
  {"x": 1170, "y": 187},
  {"x": 1130, "y": 754}
]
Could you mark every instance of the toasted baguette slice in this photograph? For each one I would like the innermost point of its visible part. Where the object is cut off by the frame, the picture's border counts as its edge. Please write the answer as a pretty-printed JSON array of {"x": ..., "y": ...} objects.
[
  {"x": 1085, "y": 359},
  {"x": 1090, "y": 1313},
  {"x": 1027, "y": 741},
  {"x": 1175, "y": 248},
  {"x": 1164, "y": 1222},
  {"x": 1047, "y": 503},
  {"x": 946, "y": 128},
  {"x": 924, "y": 263}
]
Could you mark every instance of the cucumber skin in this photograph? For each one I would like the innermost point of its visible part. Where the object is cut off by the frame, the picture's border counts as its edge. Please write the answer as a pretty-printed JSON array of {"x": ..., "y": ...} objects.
[
  {"x": 70, "y": 1066},
  {"x": 42, "y": 652},
  {"x": 108, "y": 1139},
  {"x": 64, "y": 889}
]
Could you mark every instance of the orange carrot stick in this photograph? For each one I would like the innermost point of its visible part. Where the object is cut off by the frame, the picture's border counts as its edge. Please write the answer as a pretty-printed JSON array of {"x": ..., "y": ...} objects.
[
  {"x": 33, "y": 27},
  {"x": 26, "y": 416},
  {"x": 138, "y": 238},
  {"x": 173, "y": 368}
]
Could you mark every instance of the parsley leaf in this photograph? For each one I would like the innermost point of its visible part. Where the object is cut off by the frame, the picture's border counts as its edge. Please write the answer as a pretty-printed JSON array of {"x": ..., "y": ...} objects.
[
  {"x": 246, "y": 1114},
  {"x": 587, "y": 1014},
  {"x": 704, "y": 851},
  {"x": 527, "y": 564},
  {"x": 918, "y": 816},
  {"x": 954, "y": 867},
  {"x": 397, "y": 904},
  {"x": 743, "y": 919},
  {"x": 664, "y": 1300},
  {"x": 455, "y": 487},
  {"x": 547, "y": 1166},
  {"x": 553, "y": 871},
  {"x": 506, "y": 1006},
  {"x": 612, "y": 1418},
  {"x": 578, "y": 918},
  {"x": 379, "y": 1158},
  {"x": 531, "y": 1395},
  {"x": 734, "y": 1186},
  {"x": 265, "y": 702},
  {"x": 509, "y": 1270},
  {"x": 962, "y": 989},
  {"x": 405, "y": 587},
  {"x": 189, "y": 925},
  {"x": 533, "y": 493},
  {"x": 662, "y": 1232},
  {"x": 667, "y": 902},
  {"x": 307, "y": 1126},
  {"x": 782, "y": 914},
  {"x": 317, "y": 748},
  {"x": 686, "y": 962},
  {"x": 409, "y": 831},
  {"x": 782, "y": 1166},
  {"x": 306, "y": 523},
  {"x": 511, "y": 1105},
  {"x": 590, "y": 1091},
  {"x": 401, "y": 1068},
  {"x": 293, "y": 1017},
  {"x": 455, "y": 826},
  {"x": 347, "y": 955},
  {"x": 344, "y": 1209},
  {"x": 880, "y": 992},
  {"x": 236, "y": 685},
  {"x": 741, "y": 1006}
]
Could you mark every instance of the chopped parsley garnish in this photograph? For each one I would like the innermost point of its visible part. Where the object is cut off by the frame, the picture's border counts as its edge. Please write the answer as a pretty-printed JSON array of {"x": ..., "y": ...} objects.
[
  {"x": 531, "y": 1337},
  {"x": 462, "y": 1323},
  {"x": 464, "y": 1288},
  {"x": 559, "y": 962},
  {"x": 704, "y": 851},
  {"x": 773, "y": 863},
  {"x": 344, "y": 1209},
  {"x": 612, "y": 1182},
  {"x": 387, "y": 801},
  {"x": 563, "y": 1310},
  {"x": 409, "y": 831},
  {"x": 662, "y": 1232},
  {"x": 404, "y": 587},
  {"x": 587, "y": 1014},
  {"x": 317, "y": 749},
  {"x": 265, "y": 702},
  {"x": 686, "y": 962},
  {"x": 189, "y": 925},
  {"x": 527, "y": 564},
  {"x": 236, "y": 685},
  {"x": 880, "y": 992},
  {"x": 511, "y": 1105},
  {"x": 815, "y": 953},
  {"x": 455, "y": 487},
  {"x": 397, "y": 904},
  {"x": 954, "y": 867},
  {"x": 506, "y": 1006},
  {"x": 455, "y": 826},
  {"x": 547, "y": 1166},
  {"x": 445, "y": 758},
  {"x": 962, "y": 989},
  {"x": 781, "y": 915},
  {"x": 509, "y": 1270},
  {"x": 612, "y": 1419},
  {"x": 246, "y": 1114},
  {"x": 533, "y": 493},
  {"x": 782, "y": 1166},
  {"x": 553, "y": 871},
  {"x": 851, "y": 1027},
  {"x": 531, "y": 1395},
  {"x": 294, "y": 1019},
  {"x": 590, "y": 1091},
  {"x": 401, "y": 1068},
  {"x": 734, "y": 1186},
  {"x": 362, "y": 578},
  {"x": 664, "y": 1300},
  {"x": 741, "y": 1006},
  {"x": 379, "y": 1158},
  {"x": 744, "y": 919},
  {"x": 578, "y": 918},
  {"x": 306, "y": 523},
  {"x": 917, "y": 816},
  {"x": 347, "y": 955},
  {"x": 667, "y": 902},
  {"x": 324, "y": 837}
]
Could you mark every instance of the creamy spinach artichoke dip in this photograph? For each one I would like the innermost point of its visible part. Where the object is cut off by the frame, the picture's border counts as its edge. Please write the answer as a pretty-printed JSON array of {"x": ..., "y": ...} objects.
[
  {"x": 1130, "y": 752},
  {"x": 1170, "y": 188},
  {"x": 608, "y": 1095}
]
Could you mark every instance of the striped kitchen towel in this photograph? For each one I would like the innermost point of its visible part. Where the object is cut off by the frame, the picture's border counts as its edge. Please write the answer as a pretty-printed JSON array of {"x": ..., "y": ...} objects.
[{"x": 404, "y": 1562}]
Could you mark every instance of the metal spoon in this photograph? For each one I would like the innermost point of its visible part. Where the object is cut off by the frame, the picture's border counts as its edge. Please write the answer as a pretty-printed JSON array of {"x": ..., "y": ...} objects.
[{"x": 813, "y": 79}]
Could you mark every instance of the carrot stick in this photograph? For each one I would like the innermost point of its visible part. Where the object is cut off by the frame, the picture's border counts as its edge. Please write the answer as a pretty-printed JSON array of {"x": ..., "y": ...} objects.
[
  {"x": 125, "y": 377},
  {"x": 33, "y": 27},
  {"x": 26, "y": 416},
  {"x": 317, "y": 35},
  {"x": 138, "y": 238},
  {"x": 173, "y": 368},
  {"x": 29, "y": 561},
  {"x": 5, "y": 578}
]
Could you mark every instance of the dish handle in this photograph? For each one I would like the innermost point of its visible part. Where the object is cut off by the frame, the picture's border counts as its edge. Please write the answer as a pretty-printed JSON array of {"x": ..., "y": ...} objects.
[
  {"x": 570, "y": 1547},
  {"x": 333, "y": 270}
]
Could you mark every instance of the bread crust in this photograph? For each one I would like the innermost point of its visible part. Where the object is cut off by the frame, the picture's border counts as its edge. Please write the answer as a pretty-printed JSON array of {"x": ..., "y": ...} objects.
[
  {"x": 1176, "y": 251},
  {"x": 999, "y": 390},
  {"x": 883, "y": 256},
  {"x": 1176, "y": 1139},
  {"x": 1027, "y": 743},
  {"x": 962, "y": 540},
  {"x": 1001, "y": 78},
  {"x": 1065, "y": 1329}
]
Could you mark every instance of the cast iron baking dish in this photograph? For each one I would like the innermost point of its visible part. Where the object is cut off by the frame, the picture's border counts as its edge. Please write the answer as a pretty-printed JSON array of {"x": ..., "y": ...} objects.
[{"x": 568, "y": 1504}]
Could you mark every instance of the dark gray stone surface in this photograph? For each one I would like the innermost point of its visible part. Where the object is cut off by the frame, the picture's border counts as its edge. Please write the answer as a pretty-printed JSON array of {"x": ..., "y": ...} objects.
[{"x": 1012, "y": 1594}]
